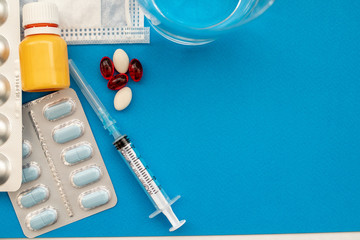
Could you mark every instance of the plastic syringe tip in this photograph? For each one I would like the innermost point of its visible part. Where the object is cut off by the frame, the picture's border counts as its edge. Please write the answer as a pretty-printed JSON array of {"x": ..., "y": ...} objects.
[{"x": 169, "y": 213}]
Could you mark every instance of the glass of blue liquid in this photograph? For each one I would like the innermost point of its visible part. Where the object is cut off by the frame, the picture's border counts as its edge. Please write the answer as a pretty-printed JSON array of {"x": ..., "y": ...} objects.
[{"x": 196, "y": 22}]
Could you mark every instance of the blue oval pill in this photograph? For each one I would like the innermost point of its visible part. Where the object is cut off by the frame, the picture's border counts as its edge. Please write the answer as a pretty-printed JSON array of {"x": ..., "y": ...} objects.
[
  {"x": 34, "y": 197},
  {"x": 67, "y": 133},
  {"x": 43, "y": 219},
  {"x": 78, "y": 154},
  {"x": 86, "y": 176},
  {"x": 59, "y": 110},
  {"x": 94, "y": 199},
  {"x": 26, "y": 149},
  {"x": 30, "y": 173}
]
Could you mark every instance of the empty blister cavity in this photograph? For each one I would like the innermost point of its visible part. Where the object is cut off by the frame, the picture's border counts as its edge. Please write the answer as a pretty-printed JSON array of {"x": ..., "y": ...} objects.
[
  {"x": 4, "y": 89},
  {"x": 4, "y": 50},
  {"x": 30, "y": 172},
  {"x": 77, "y": 153},
  {"x": 68, "y": 131},
  {"x": 4, "y": 129},
  {"x": 26, "y": 149},
  {"x": 59, "y": 109},
  {"x": 33, "y": 196},
  {"x": 4, "y": 11},
  {"x": 5, "y": 169},
  {"x": 42, "y": 218},
  {"x": 85, "y": 176},
  {"x": 94, "y": 198}
]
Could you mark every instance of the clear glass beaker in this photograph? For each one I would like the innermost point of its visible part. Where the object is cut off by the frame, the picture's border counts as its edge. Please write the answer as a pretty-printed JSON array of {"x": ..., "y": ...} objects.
[{"x": 196, "y": 22}]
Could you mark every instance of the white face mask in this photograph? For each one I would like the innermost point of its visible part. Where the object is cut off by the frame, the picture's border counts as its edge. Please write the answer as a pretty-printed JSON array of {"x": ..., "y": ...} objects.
[{"x": 100, "y": 21}]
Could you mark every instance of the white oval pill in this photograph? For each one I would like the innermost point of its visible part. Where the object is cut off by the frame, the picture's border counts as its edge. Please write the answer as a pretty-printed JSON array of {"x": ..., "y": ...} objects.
[
  {"x": 122, "y": 98},
  {"x": 121, "y": 61}
]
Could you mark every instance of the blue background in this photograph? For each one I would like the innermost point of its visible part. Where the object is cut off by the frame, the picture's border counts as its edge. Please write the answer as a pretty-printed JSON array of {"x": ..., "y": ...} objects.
[{"x": 259, "y": 131}]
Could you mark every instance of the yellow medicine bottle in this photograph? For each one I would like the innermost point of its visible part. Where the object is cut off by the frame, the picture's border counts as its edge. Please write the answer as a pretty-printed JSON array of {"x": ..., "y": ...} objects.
[{"x": 43, "y": 53}]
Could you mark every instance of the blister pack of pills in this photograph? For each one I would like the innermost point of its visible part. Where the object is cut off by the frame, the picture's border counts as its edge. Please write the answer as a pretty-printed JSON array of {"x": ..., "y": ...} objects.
[
  {"x": 10, "y": 97},
  {"x": 64, "y": 177}
]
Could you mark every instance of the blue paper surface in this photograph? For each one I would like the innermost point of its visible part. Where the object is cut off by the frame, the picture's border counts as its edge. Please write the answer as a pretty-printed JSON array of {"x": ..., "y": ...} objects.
[{"x": 259, "y": 131}]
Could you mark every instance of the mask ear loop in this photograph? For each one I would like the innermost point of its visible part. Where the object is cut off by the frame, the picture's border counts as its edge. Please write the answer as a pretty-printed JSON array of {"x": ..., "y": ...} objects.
[{"x": 127, "y": 13}]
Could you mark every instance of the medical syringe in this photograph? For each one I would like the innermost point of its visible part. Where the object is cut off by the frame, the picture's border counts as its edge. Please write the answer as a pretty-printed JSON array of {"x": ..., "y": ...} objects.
[{"x": 127, "y": 150}]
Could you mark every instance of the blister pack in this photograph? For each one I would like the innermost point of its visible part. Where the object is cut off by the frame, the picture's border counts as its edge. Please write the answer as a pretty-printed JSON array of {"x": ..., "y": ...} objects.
[
  {"x": 64, "y": 177},
  {"x": 10, "y": 97}
]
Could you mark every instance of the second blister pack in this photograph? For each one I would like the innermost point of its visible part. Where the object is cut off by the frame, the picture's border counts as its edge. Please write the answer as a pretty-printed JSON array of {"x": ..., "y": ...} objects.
[
  {"x": 64, "y": 177},
  {"x": 10, "y": 97}
]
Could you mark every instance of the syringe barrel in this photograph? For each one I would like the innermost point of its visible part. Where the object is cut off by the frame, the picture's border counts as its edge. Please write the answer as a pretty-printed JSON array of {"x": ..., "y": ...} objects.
[{"x": 142, "y": 173}]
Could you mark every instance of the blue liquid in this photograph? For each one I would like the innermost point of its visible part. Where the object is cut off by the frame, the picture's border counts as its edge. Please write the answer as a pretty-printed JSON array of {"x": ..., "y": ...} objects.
[{"x": 197, "y": 13}]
